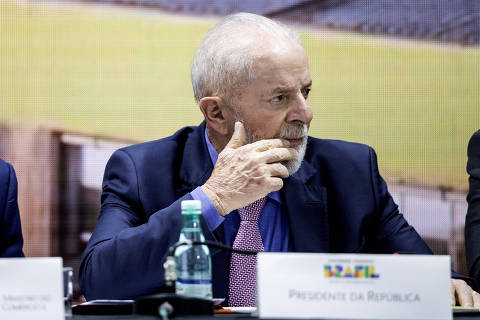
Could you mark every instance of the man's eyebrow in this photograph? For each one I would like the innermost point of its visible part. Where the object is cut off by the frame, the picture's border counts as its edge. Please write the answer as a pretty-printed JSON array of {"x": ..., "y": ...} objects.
[
  {"x": 285, "y": 89},
  {"x": 282, "y": 89},
  {"x": 308, "y": 84}
]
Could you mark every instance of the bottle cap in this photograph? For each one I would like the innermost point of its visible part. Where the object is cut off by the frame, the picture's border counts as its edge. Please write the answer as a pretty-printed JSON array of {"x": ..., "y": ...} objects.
[{"x": 191, "y": 205}]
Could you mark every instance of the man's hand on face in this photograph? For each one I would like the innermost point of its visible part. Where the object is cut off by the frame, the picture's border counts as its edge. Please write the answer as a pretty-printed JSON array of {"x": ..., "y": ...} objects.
[
  {"x": 246, "y": 173},
  {"x": 463, "y": 295}
]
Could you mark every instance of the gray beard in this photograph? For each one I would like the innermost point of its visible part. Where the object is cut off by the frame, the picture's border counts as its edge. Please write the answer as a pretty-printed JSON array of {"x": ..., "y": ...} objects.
[
  {"x": 294, "y": 131},
  {"x": 290, "y": 131}
]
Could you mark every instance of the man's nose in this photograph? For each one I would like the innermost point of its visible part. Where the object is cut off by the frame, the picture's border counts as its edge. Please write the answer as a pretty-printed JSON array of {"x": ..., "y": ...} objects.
[{"x": 300, "y": 110}]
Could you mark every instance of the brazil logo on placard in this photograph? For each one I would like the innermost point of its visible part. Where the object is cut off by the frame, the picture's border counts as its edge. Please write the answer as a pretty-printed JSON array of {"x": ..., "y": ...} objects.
[{"x": 350, "y": 271}]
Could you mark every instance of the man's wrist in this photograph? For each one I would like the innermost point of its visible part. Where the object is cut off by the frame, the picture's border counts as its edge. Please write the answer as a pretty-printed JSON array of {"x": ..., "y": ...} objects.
[
  {"x": 209, "y": 211},
  {"x": 212, "y": 195}
]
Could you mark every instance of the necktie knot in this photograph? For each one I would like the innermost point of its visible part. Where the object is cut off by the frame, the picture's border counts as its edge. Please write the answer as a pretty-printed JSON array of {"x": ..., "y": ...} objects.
[{"x": 252, "y": 211}]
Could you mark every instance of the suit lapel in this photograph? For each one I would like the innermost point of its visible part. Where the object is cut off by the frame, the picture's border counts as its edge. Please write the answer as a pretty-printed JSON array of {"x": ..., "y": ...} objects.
[
  {"x": 196, "y": 166},
  {"x": 195, "y": 170},
  {"x": 307, "y": 212}
]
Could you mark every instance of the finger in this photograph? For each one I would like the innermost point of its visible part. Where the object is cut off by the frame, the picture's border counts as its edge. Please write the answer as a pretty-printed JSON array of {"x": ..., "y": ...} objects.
[
  {"x": 465, "y": 299},
  {"x": 275, "y": 184},
  {"x": 476, "y": 299},
  {"x": 277, "y": 155},
  {"x": 452, "y": 293},
  {"x": 278, "y": 170},
  {"x": 262, "y": 145},
  {"x": 238, "y": 137},
  {"x": 464, "y": 294}
]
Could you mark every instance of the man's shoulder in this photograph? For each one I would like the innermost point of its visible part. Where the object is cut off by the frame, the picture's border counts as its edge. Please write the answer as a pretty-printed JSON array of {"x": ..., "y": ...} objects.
[
  {"x": 160, "y": 146},
  {"x": 337, "y": 149}
]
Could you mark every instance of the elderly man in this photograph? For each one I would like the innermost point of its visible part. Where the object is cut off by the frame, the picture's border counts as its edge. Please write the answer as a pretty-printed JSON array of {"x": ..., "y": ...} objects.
[{"x": 251, "y": 159}]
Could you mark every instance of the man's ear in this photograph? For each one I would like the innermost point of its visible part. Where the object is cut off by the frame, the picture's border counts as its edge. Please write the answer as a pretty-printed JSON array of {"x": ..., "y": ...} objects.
[{"x": 213, "y": 110}]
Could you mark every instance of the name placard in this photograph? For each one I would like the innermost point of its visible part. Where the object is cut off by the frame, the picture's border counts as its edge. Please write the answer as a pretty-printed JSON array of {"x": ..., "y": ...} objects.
[
  {"x": 31, "y": 288},
  {"x": 353, "y": 286}
]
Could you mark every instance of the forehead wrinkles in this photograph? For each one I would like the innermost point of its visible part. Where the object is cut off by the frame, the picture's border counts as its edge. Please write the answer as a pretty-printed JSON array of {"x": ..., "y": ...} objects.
[
  {"x": 239, "y": 48},
  {"x": 267, "y": 55},
  {"x": 282, "y": 72}
]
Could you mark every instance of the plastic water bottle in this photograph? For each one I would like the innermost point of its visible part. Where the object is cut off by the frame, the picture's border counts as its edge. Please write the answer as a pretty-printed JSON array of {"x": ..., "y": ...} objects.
[{"x": 193, "y": 263}]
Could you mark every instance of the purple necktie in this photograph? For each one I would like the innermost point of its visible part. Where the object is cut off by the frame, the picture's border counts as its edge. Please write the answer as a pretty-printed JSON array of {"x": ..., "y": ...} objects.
[{"x": 243, "y": 268}]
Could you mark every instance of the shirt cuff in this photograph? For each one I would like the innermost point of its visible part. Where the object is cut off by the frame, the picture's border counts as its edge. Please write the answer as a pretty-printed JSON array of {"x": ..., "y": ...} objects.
[{"x": 209, "y": 212}]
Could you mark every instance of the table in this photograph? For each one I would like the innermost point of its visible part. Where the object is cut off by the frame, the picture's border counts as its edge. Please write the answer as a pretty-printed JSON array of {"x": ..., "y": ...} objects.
[
  {"x": 456, "y": 316},
  {"x": 146, "y": 317}
]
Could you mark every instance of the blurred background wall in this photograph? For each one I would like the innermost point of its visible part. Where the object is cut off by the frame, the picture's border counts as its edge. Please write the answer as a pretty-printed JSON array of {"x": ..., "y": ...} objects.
[{"x": 79, "y": 79}]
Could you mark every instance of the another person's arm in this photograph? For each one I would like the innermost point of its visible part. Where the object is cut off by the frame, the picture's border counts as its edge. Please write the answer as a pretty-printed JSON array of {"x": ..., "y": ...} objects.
[
  {"x": 472, "y": 220},
  {"x": 11, "y": 240}
]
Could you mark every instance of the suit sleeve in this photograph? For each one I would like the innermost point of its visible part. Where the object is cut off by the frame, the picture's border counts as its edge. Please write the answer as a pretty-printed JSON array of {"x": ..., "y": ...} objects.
[
  {"x": 11, "y": 240},
  {"x": 472, "y": 220},
  {"x": 124, "y": 257},
  {"x": 393, "y": 233}
]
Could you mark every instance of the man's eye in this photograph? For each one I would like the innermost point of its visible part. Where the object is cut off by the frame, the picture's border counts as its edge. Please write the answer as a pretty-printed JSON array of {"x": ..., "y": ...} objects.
[
  {"x": 279, "y": 98},
  {"x": 306, "y": 92}
]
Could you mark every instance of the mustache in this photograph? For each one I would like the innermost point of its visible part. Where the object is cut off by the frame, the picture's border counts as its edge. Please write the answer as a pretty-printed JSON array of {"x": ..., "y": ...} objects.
[{"x": 295, "y": 131}]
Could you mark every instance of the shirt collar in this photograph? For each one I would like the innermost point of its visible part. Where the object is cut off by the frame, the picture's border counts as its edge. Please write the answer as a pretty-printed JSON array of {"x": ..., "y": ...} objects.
[{"x": 214, "y": 156}]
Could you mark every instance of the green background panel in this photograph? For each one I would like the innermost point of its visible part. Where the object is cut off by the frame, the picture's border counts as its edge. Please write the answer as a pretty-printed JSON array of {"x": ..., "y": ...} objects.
[{"x": 126, "y": 73}]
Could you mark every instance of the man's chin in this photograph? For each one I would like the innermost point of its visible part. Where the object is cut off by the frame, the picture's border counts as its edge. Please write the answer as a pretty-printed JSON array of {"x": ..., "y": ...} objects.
[{"x": 293, "y": 165}]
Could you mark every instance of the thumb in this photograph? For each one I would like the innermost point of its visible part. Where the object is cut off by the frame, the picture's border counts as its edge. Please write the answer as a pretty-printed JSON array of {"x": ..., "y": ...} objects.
[{"x": 238, "y": 137}]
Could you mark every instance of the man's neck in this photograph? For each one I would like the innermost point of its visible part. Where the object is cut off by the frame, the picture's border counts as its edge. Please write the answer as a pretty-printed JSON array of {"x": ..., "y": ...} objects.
[{"x": 216, "y": 140}]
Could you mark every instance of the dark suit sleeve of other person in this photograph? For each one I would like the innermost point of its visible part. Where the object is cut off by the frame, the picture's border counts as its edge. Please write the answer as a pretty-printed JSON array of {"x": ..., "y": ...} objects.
[
  {"x": 11, "y": 240},
  {"x": 140, "y": 218},
  {"x": 472, "y": 222}
]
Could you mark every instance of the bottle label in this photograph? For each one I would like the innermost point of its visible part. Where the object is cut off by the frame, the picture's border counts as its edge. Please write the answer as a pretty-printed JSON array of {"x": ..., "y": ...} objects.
[{"x": 194, "y": 288}]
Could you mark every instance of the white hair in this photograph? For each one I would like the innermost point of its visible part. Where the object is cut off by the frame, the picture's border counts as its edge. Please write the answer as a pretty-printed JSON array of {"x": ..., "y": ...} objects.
[{"x": 225, "y": 58}]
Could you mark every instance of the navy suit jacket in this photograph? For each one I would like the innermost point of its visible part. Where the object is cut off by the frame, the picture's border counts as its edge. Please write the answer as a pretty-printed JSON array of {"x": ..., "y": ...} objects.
[
  {"x": 336, "y": 202},
  {"x": 11, "y": 240}
]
